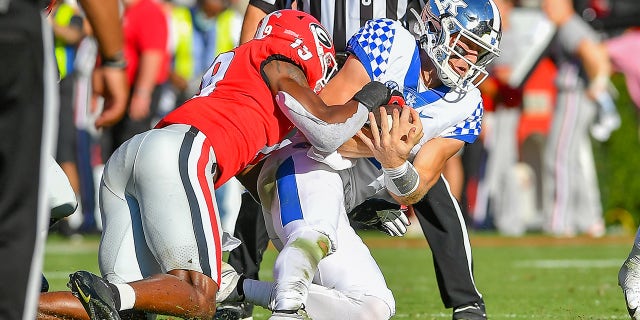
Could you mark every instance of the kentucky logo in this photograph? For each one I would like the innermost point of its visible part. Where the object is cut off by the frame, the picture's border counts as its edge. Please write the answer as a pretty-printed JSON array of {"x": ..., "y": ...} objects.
[{"x": 452, "y": 6}]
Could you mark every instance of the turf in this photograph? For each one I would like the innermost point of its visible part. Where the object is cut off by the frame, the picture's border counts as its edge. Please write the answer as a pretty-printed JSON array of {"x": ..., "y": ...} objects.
[{"x": 532, "y": 277}]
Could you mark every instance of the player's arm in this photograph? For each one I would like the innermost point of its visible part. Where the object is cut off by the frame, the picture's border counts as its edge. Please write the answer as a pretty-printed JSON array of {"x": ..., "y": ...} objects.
[
  {"x": 340, "y": 89},
  {"x": 429, "y": 163},
  {"x": 252, "y": 16},
  {"x": 326, "y": 127}
]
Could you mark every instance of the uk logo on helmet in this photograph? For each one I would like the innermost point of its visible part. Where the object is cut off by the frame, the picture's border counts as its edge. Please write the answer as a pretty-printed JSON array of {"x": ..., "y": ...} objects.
[{"x": 451, "y": 6}]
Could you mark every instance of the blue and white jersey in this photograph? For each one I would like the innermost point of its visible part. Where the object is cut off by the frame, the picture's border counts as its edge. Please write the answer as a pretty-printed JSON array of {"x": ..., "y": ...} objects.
[{"x": 391, "y": 55}]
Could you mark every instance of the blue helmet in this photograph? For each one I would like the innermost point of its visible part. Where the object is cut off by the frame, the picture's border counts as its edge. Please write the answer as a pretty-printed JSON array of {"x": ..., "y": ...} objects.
[{"x": 446, "y": 22}]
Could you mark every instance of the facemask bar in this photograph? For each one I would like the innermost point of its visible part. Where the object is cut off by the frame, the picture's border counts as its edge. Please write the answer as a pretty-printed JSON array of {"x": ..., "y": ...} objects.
[{"x": 329, "y": 69}]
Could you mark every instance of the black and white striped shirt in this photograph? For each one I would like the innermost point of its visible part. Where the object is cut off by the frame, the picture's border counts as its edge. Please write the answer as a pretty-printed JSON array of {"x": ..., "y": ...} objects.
[{"x": 343, "y": 18}]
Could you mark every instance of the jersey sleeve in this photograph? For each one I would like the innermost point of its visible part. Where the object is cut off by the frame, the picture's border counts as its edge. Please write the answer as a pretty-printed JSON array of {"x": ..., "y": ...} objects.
[
  {"x": 446, "y": 113},
  {"x": 468, "y": 129},
  {"x": 387, "y": 51}
]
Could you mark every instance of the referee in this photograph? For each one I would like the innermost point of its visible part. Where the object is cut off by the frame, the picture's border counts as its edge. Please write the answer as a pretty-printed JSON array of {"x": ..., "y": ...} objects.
[
  {"x": 28, "y": 126},
  {"x": 438, "y": 212}
]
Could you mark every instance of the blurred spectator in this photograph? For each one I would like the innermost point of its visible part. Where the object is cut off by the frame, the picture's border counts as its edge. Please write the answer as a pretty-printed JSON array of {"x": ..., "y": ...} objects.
[
  {"x": 145, "y": 35},
  {"x": 500, "y": 136},
  {"x": 216, "y": 29},
  {"x": 619, "y": 48},
  {"x": 68, "y": 29},
  {"x": 571, "y": 196},
  {"x": 181, "y": 58}
]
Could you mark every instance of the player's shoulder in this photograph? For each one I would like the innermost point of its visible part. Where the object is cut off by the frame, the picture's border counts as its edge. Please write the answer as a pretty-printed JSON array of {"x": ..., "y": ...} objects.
[
  {"x": 382, "y": 31},
  {"x": 382, "y": 41}
]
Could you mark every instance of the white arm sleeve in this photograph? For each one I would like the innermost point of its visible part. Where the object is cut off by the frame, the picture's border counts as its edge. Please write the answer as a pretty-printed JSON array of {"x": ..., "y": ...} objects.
[{"x": 324, "y": 136}]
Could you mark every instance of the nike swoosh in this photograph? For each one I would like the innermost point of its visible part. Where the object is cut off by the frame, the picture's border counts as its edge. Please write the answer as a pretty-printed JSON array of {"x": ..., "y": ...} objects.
[
  {"x": 86, "y": 298},
  {"x": 632, "y": 312}
]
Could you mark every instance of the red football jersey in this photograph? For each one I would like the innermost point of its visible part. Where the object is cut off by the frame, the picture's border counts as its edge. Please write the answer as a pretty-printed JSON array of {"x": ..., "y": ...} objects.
[{"x": 235, "y": 108}]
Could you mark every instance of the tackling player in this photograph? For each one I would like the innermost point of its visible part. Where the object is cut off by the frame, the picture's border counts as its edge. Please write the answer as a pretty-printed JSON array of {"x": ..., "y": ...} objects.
[
  {"x": 305, "y": 201},
  {"x": 162, "y": 243}
]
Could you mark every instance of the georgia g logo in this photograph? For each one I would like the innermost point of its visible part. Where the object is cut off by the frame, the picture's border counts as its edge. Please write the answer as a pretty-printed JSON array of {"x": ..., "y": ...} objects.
[{"x": 321, "y": 36}]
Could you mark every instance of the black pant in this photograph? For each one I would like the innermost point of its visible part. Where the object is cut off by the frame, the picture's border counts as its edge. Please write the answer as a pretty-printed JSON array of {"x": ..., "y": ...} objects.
[
  {"x": 441, "y": 222},
  {"x": 22, "y": 104}
]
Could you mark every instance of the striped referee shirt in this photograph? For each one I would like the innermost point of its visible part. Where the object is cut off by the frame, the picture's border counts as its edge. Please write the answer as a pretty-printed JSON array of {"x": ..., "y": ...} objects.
[{"x": 343, "y": 18}]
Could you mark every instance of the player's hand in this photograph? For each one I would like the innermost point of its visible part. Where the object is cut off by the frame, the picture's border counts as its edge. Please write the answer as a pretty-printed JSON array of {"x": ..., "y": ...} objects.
[
  {"x": 382, "y": 215},
  {"x": 115, "y": 91},
  {"x": 392, "y": 143},
  {"x": 140, "y": 105}
]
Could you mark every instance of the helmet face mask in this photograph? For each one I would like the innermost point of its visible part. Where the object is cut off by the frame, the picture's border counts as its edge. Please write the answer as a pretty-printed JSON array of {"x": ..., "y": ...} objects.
[
  {"x": 326, "y": 53},
  {"x": 448, "y": 26}
]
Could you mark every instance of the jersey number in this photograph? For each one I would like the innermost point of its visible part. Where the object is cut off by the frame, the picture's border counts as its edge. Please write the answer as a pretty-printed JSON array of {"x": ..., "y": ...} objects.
[
  {"x": 215, "y": 73},
  {"x": 303, "y": 51}
]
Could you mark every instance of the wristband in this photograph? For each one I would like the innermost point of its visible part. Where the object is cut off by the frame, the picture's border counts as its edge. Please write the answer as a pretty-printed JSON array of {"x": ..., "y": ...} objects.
[
  {"x": 116, "y": 61},
  {"x": 372, "y": 95},
  {"x": 402, "y": 180}
]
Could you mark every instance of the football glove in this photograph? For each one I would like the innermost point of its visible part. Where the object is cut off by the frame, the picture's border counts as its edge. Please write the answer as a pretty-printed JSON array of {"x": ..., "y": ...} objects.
[
  {"x": 381, "y": 215},
  {"x": 375, "y": 94}
]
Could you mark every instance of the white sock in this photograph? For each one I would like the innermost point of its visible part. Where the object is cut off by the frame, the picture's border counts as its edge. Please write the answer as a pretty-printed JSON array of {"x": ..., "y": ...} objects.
[{"x": 127, "y": 296}]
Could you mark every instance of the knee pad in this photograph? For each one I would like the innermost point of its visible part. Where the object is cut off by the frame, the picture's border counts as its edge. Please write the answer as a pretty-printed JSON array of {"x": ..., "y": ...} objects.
[{"x": 317, "y": 240}]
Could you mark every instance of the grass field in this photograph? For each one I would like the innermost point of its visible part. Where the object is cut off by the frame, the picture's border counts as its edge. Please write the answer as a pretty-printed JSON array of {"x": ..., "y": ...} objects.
[{"x": 533, "y": 277}]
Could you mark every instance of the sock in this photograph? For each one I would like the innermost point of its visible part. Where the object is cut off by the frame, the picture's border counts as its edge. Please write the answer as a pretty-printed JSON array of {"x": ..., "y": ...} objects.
[
  {"x": 257, "y": 292},
  {"x": 124, "y": 296}
]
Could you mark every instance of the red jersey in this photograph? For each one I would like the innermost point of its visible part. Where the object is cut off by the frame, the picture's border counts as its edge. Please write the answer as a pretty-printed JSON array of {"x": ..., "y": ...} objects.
[{"x": 235, "y": 108}]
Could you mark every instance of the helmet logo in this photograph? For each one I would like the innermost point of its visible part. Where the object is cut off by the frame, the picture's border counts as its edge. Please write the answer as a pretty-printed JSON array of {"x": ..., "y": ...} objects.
[
  {"x": 321, "y": 35},
  {"x": 451, "y": 6}
]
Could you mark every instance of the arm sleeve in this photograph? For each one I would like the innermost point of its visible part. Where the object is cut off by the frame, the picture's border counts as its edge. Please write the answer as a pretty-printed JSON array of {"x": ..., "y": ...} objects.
[{"x": 323, "y": 136}]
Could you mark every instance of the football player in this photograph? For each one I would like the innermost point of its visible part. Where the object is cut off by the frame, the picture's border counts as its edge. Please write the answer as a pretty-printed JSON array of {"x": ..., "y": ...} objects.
[
  {"x": 305, "y": 192},
  {"x": 162, "y": 243}
]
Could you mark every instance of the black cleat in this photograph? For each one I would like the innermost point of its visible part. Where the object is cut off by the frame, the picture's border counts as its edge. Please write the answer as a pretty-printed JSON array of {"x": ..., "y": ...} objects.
[
  {"x": 473, "y": 311},
  {"x": 95, "y": 295}
]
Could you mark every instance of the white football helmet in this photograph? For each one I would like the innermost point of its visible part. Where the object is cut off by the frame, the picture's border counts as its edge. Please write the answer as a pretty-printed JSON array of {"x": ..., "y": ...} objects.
[{"x": 446, "y": 22}]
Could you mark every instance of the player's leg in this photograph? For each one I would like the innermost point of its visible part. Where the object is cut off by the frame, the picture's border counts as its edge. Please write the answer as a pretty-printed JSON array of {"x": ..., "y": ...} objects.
[
  {"x": 445, "y": 229},
  {"x": 348, "y": 284},
  {"x": 180, "y": 222},
  {"x": 177, "y": 221},
  {"x": 358, "y": 288}
]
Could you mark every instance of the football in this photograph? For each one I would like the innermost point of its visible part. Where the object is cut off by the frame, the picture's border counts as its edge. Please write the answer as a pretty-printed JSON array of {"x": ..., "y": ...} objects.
[{"x": 389, "y": 109}]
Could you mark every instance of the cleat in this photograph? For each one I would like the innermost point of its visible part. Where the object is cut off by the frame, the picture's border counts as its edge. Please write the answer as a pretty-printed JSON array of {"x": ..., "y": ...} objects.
[
  {"x": 284, "y": 316},
  {"x": 228, "y": 312},
  {"x": 228, "y": 288},
  {"x": 95, "y": 295},
  {"x": 629, "y": 281},
  {"x": 300, "y": 314},
  {"x": 234, "y": 311},
  {"x": 473, "y": 311}
]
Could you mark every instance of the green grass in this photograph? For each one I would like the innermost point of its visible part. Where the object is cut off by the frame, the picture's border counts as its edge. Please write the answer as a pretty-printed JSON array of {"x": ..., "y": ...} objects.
[{"x": 520, "y": 278}]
